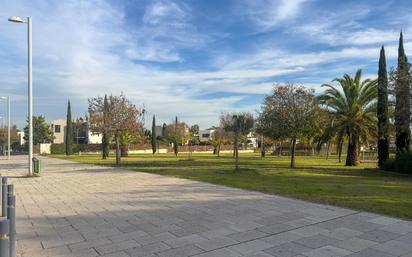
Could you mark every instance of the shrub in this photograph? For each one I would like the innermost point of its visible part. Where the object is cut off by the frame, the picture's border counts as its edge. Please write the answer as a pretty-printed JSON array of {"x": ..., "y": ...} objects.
[
  {"x": 61, "y": 148},
  {"x": 58, "y": 149},
  {"x": 401, "y": 164}
]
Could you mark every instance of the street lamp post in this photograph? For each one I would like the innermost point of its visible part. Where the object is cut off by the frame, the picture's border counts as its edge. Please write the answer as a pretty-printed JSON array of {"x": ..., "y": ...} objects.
[
  {"x": 8, "y": 126},
  {"x": 30, "y": 92}
]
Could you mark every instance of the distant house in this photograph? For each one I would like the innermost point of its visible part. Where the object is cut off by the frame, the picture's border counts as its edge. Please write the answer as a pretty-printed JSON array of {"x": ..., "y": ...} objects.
[
  {"x": 20, "y": 137},
  {"x": 81, "y": 133},
  {"x": 206, "y": 135},
  {"x": 59, "y": 131},
  {"x": 159, "y": 131}
]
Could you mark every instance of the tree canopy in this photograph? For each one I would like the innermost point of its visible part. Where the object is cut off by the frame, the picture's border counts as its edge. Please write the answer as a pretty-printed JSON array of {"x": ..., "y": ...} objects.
[{"x": 288, "y": 113}]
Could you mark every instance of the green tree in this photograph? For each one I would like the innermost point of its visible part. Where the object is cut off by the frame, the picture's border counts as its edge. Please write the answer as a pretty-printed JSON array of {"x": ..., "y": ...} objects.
[
  {"x": 239, "y": 124},
  {"x": 42, "y": 132},
  {"x": 69, "y": 130},
  {"x": 154, "y": 138},
  {"x": 106, "y": 136},
  {"x": 403, "y": 102},
  {"x": 383, "y": 111},
  {"x": 219, "y": 137},
  {"x": 289, "y": 112},
  {"x": 354, "y": 110},
  {"x": 194, "y": 131},
  {"x": 176, "y": 133},
  {"x": 4, "y": 136}
]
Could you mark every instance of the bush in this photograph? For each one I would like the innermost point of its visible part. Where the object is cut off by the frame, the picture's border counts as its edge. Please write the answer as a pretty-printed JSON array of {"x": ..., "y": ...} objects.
[
  {"x": 61, "y": 148},
  {"x": 401, "y": 164},
  {"x": 58, "y": 149}
]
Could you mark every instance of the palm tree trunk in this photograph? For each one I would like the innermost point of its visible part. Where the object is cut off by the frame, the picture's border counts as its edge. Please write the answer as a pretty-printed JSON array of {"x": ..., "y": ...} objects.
[
  {"x": 352, "y": 156},
  {"x": 327, "y": 151}
]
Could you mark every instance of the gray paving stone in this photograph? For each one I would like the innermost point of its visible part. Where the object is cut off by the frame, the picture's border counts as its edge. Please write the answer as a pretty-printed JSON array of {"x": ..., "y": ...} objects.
[
  {"x": 183, "y": 251},
  {"x": 355, "y": 244},
  {"x": 215, "y": 243},
  {"x": 147, "y": 249},
  {"x": 247, "y": 235},
  {"x": 394, "y": 247},
  {"x": 379, "y": 236},
  {"x": 219, "y": 253},
  {"x": 327, "y": 251},
  {"x": 250, "y": 247},
  {"x": 370, "y": 253},
  {"x": 317, "y": 241},
  {"x": 287, "y": 250}
]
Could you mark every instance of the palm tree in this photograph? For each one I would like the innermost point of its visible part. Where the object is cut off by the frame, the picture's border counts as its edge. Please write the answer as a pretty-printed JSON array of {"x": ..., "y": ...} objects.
[{"x": 353, "y": 106}]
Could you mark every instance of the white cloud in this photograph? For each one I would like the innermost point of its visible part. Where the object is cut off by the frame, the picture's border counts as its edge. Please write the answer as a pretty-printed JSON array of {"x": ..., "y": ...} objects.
[{"x": 267, "y": 14}]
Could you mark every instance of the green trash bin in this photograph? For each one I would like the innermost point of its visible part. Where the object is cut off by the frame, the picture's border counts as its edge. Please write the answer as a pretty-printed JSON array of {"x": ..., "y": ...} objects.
[{"x": 36, "y": 165}]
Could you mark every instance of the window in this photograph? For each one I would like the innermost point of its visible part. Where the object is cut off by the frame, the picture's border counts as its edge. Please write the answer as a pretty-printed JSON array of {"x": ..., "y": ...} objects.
[
  {"x": 205, "y": 135},
  {"x": 57, "y": 128}
]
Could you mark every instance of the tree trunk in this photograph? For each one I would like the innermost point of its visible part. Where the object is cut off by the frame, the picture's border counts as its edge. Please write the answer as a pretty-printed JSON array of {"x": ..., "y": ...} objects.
[
  {"x": 262, "y": 148},
  {"x": 175, "y": 148},
  {"x": 124, "y": 151},
  {"x": 327, "y": 151},
  {"x": 218, "y": 151},
  {"x": 340, "y": 146},
  {"x": 190, "y": 150},
  {"x": 237, "y": 151},
  {"x": 117, "y": 150},
  {"x": 293, "y": 152},
  {"x": 352, "y": 156},
  {"x": 280, "y": 150}
]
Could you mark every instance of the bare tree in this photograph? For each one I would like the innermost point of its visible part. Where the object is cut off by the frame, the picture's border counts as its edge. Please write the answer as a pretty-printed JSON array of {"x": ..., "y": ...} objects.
[{"x": 122, "y": 118}]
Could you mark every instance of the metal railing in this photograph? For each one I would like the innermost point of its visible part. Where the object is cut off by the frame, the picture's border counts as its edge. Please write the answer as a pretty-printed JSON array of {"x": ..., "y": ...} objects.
[{"x": 7, "y": 220}]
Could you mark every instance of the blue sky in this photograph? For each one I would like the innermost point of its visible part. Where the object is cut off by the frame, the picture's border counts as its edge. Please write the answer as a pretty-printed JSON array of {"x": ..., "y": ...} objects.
[{"x": 191, "y": 58}]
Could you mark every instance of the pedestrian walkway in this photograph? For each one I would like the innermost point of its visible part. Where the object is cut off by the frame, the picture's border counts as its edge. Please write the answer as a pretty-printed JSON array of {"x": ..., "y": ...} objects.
[{"x": 86, "y": 211}]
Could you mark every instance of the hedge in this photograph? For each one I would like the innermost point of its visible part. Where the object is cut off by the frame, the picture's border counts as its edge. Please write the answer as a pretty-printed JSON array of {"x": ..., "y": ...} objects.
[
  {"x": 61, "y": 148},
  {"x": 403, "y": 164}
]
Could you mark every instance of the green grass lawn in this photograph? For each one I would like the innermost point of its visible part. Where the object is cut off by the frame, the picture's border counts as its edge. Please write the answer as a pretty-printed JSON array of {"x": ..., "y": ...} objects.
[{"x": 316, "y": 179}]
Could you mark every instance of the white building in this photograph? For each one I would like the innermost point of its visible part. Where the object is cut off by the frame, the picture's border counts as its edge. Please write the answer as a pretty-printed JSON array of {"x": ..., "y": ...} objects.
[
  {"x": 20, "y": 137},
  {"x": 206, "y": 135},
  {"x": 93, "y": 138},
  {"x": 59, "y": 133}
]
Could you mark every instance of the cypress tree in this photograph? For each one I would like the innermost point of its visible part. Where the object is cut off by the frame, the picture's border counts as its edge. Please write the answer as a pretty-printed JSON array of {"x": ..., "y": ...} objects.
[
  {"x": 382, "y": 110},
  {"x": 403, "y": 102},
  {"x": 106, "y": 136},
  {"x": 154, "y": 143},
  {"x": 175, "y": 146},
  {"x": 69, "y": 131}
]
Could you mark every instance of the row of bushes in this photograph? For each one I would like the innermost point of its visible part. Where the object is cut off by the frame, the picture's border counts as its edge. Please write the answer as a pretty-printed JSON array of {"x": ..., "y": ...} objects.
[
  {"x": 403, "y": 163},
  {"x": 61, "y": 148}
]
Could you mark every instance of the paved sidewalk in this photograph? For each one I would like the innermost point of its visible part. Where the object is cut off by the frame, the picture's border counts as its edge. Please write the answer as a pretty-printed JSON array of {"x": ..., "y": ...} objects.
[{"x": 86, "y": 211}]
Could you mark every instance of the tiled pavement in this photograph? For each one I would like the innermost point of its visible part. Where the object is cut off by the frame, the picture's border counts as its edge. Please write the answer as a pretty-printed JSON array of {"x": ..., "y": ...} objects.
[{"x": 87, "y": 211}]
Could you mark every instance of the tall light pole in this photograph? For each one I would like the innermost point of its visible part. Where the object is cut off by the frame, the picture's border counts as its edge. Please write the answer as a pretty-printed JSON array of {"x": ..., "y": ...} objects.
[
  {"x": 30, "y": 92},
  {"x": 8, "y": 126}
]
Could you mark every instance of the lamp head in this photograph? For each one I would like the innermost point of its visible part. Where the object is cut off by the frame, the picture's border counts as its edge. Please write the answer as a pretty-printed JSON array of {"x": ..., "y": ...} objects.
[{"x": 15, "y": 19}]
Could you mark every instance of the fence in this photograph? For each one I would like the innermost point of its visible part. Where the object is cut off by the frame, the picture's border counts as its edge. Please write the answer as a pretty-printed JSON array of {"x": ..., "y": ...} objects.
[{"x": 7, "y": 220}]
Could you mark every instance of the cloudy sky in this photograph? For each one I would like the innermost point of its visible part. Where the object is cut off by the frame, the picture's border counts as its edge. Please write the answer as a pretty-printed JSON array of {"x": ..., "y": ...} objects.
[{"x": 191, "y": 58}]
